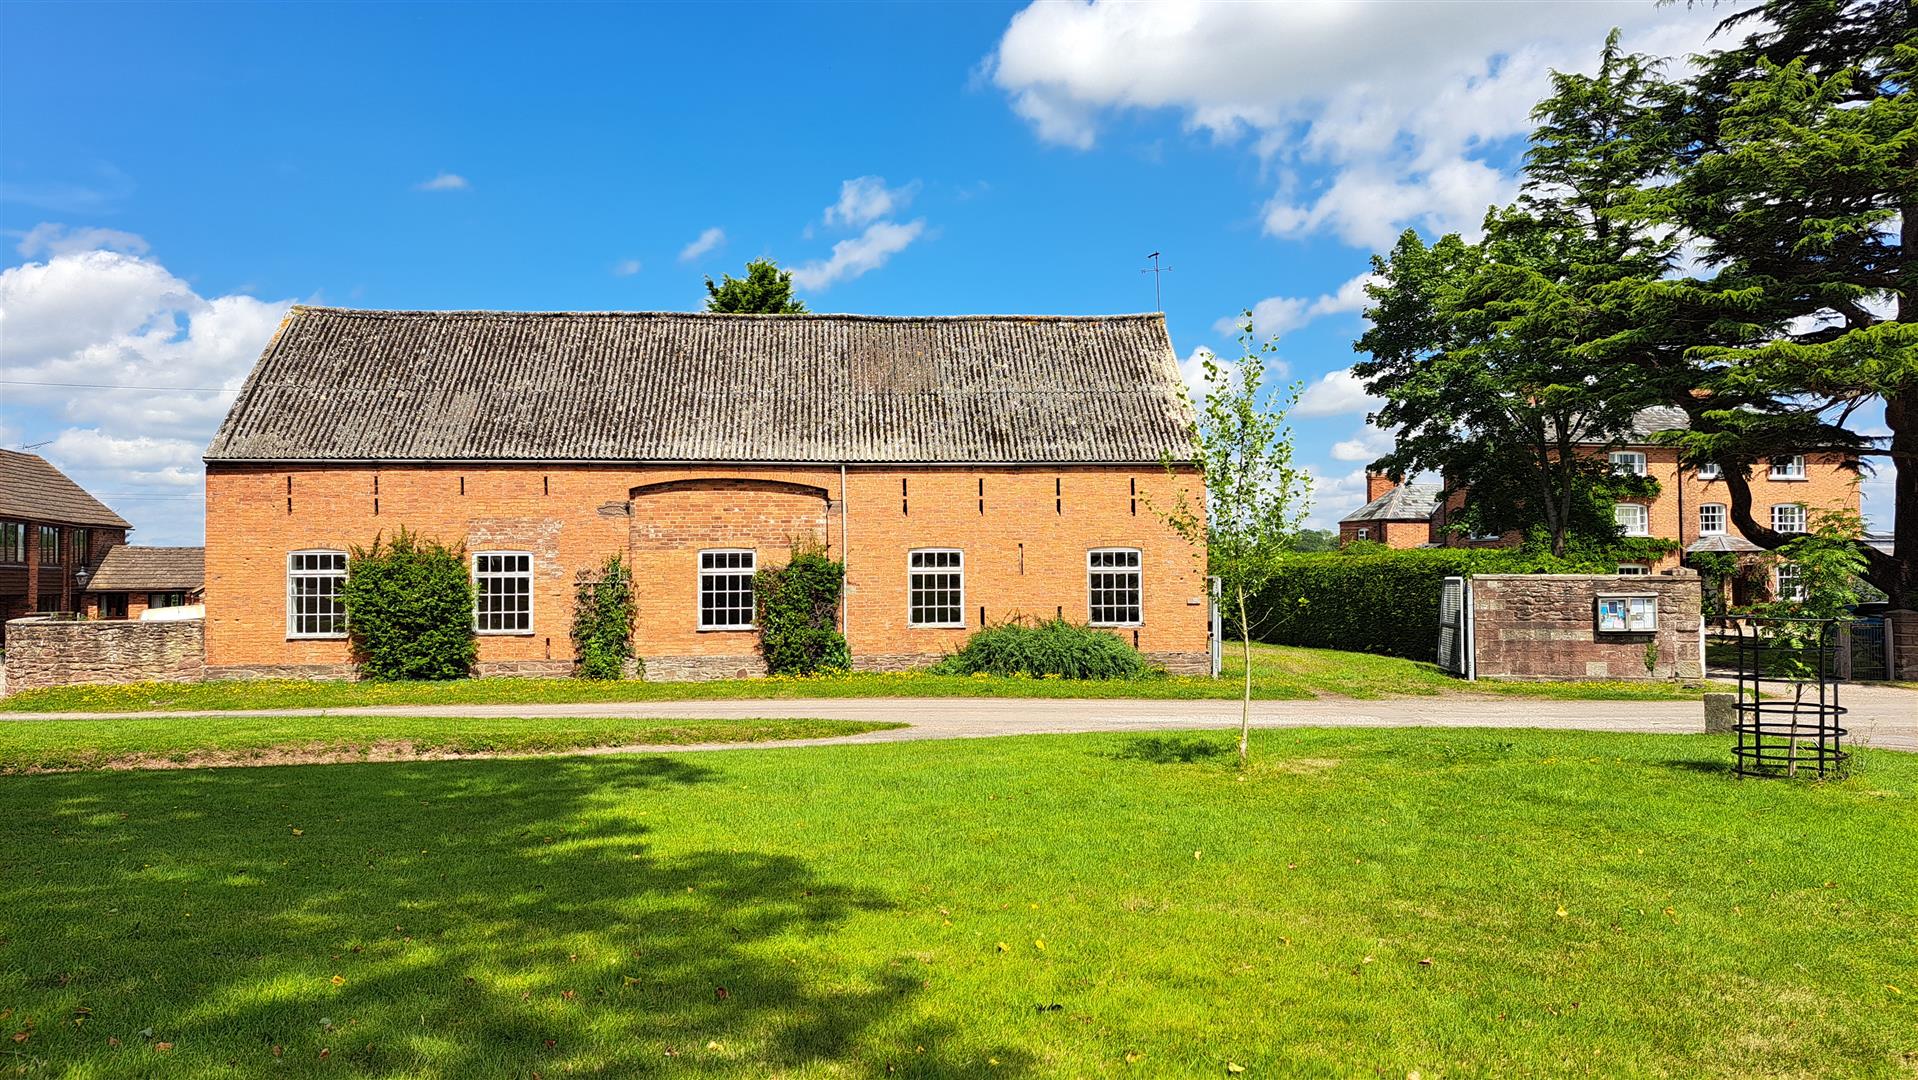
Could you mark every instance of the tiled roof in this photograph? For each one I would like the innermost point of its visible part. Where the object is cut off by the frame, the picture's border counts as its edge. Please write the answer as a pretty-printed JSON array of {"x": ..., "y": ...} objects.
[
  {"x": 340, "y": 385},
  {"x": 32, "y": 489},
  {"x": 1649, "y": 422},
  {"x": 1407, "y": 502},
  {"x": 137, "y": 569}
]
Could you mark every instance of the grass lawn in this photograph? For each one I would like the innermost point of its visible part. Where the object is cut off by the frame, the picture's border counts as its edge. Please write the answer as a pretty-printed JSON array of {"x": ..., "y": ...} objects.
[
  {"x": 33, "y": 745},
  {"x": 1364, "y": 902},
  {"x": 1278, "y": 673}
]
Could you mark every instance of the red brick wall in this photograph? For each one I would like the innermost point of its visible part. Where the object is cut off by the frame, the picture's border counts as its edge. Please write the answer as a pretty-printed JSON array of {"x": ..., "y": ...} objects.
[
  {"x": 1025, "y": 550},
  {"x": 1393, "y": 534}
]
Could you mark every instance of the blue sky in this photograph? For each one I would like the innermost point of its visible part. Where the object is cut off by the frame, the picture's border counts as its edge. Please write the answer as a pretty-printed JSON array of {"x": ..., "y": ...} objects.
[{"x": 172, "y": 176}]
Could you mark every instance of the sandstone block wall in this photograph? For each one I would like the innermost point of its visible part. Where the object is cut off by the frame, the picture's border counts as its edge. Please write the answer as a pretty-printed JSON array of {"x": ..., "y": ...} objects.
[
  {"x": 49, "y": 652},
  {"x": 1544, "y": 626}
]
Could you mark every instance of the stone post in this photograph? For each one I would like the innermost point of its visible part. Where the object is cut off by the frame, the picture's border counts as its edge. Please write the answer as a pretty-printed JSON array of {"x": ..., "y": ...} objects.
[
  {"x": 1901, "y": 633},
  {"x": 1721, "y": 712}
]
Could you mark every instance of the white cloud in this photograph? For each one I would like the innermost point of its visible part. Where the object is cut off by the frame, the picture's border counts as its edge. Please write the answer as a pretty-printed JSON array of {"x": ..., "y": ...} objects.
[
  {"x": 1278, "y": 315},
  {"x": 860, "y": 254},
  {"x": 1367, "y": 445},
  {"x": 705, "y": 242},
  {"x": 121, "y": 325},
  {"x": 866, "y": 199},
  {"x": 1404, "y": 106},
  {"x": 1334, "y": 497},
  {"x": 49, "y": 238},
  {"x": 445, "y": 181},
  {"x": 1335, "y": 394},
  {"x": 626, "y": 267}
]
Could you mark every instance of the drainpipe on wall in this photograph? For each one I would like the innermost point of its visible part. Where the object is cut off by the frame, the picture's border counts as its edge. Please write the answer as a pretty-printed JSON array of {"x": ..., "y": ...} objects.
[{"x": 845, "y": 552}]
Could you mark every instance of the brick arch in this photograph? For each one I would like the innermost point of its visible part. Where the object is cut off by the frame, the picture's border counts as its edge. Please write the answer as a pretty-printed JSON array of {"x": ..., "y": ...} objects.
[{"x": 724, "y": 484}]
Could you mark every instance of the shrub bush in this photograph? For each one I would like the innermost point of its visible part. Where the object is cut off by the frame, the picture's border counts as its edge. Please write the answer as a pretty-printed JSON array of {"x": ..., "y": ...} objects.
[
  {"x": 603, "y": 611},
  {"x": 1386, "y": 602},
  {"x": 799, "y": 612},
  {"x": 409, "y": 609},
  {"x": 1054, "y": 647}
]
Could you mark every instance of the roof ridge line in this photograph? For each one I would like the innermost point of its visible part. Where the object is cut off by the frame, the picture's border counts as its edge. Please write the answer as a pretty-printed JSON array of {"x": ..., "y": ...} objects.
[{"x": 802, "y": 317}]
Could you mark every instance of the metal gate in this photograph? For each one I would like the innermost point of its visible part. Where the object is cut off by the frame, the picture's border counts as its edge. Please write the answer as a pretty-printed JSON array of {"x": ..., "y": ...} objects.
[
  {"x": 1869, "y": 659},
  {"x": 1455, "y": 629}
]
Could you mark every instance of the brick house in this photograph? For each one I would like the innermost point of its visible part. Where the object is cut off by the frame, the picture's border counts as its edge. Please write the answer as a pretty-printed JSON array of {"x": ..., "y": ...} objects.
[
  {"x": 1691, "y": 507},
  {"x": 1396, "y": 515},
  {"x": 966, "y": 470},
  {"x": 52, "y": 533},
  {"x": 132, "y": 581}
]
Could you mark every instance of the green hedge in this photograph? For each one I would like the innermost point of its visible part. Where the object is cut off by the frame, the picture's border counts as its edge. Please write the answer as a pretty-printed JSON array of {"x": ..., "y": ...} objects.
[
  {"x": 409, "y": 609},
  {"x": 1385, "y": 601}
]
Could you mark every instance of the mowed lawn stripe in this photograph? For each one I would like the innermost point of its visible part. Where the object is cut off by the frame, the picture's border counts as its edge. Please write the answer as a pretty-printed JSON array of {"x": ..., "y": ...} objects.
[
  {"x": 1588, "y": 903},
  {"x": 37, "y": 745}
]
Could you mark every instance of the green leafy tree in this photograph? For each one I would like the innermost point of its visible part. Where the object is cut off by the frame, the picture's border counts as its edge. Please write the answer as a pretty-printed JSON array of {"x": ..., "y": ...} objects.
[
  {"x": 1499, "y": 362},
  {"x": 1799, "y": 184},
  {"x": 603, "y": 613},
  {"x": 1827, "y": 564},
  {"x": 409, "y": 609},
  {"x": 765, "y": 290},
  {"x": 798, "y": 613},
  {"x": 1315, "y": 540},
  {"x": 1255, "y": 495}
]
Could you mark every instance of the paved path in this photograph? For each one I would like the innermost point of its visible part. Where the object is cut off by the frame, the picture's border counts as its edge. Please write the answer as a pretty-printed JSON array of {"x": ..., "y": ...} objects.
[{"x": 1880, "y": 716}]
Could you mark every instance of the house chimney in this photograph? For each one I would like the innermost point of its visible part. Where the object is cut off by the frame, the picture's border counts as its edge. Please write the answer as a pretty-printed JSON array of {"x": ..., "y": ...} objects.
[{"x": 1377, "y": 484}]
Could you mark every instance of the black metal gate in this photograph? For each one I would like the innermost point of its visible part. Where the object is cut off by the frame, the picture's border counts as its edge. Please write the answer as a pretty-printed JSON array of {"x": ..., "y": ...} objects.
[
  {"x": 1789, "y": 719},
  {"x": 1868, "y": 659}
]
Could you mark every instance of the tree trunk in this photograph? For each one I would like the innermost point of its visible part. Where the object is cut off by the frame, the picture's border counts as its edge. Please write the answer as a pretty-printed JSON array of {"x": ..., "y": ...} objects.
[{"x": 1245, "y": 703}]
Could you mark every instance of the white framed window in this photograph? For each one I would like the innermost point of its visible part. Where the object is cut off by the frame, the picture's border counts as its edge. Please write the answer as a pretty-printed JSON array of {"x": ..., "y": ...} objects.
[
  {"x": 1634, "y": 569},
  {"x": 936, "y": 587},
  {"x": 1627, "y": 614},
  {"x": 502, "y": 592},
  {"x": 1112, "y": 587},
  {"x": 1362, "y": 533},
  {"x": 1788, "y": 518},
  {"x": 1791, "y": 584},
  {"x": 1711, "y": 519},
  {"x": 1632, "y": 518},
  {"x": 1708, "y": 471},
  {"x": 315, "y": 600},
  {"x": 1628, "y": 461},
  {"x": 726, "y": 589},
  {"x": 1788, "y": 468}
]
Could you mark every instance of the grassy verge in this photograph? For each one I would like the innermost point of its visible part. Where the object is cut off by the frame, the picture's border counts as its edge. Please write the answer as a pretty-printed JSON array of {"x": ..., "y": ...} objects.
[
  {"x": 1457, "y": 903},
  {"x": 38, "y": 745},
  {"x": 1278, "y": 673}
]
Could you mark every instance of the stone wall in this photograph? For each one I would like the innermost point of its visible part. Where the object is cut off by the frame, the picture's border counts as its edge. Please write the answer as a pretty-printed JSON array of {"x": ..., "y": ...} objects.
[
  {"x": 1903, "y": 628},
  {"x": 1544, "y": 626},
  {"x": 58, "y": 652}
]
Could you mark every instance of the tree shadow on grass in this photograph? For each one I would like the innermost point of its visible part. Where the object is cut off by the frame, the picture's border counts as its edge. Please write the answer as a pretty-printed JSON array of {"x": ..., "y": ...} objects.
[
  {"x": 1172, "y": 749},
  {"x": 444, "y": 919}
]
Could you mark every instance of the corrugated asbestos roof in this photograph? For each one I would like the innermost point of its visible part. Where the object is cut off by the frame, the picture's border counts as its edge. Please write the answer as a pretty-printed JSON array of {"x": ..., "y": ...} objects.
[
  {"x": 341, "y": 385},
  {"x": 1407, "y": 502},
  {"x": 34, "y": 490}
]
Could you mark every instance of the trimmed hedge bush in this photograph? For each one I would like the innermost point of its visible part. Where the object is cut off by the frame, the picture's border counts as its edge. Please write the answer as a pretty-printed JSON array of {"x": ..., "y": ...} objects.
[
  {"x": 1384, "y": 602},
  {"x": 409, "y": 609},
  {"x": 1055, "y": 647}
]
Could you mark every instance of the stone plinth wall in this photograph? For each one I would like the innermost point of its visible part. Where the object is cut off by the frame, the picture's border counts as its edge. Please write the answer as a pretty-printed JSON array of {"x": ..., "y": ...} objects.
[
  {"x": 1903, "y": 628},
  {"x": 50, "y": 652},
  {"x": 1545, "y": 626}
]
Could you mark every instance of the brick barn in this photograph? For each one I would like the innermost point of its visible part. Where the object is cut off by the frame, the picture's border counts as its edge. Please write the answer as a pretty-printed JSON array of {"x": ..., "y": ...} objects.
[{"x": 967, "y": 470}]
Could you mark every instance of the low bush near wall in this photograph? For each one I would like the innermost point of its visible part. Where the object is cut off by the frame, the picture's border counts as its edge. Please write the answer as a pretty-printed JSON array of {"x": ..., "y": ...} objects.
[
  {"x": 409, "y": 609},
  {"x": 1056, "y": 647},
  {"x": 1385, "y": 602},
  {"x": 603, "y": 612}
]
